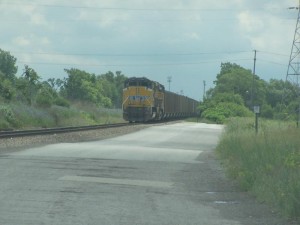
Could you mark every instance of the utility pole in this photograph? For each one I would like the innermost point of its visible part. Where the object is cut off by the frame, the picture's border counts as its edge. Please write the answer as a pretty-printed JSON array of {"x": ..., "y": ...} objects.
[
  {"x": 255, "y": 108},
  {"x": 169, "y": 81},
  {"x": 204, "y": 85},
  {"x": 253, "y": 78},
  {"x": 293, "y": 71}
]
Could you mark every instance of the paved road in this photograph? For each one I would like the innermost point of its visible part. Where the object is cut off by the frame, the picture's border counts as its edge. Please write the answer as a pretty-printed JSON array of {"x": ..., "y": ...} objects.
[{"x": 165, "y": 174}]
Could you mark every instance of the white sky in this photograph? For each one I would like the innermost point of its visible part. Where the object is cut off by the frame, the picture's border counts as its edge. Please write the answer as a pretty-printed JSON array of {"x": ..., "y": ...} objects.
[{"x": 185, "y": 39}]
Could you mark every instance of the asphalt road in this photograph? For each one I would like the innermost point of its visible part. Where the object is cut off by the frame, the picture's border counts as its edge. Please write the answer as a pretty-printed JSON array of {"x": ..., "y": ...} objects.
[{"x": 165, "y": 174}]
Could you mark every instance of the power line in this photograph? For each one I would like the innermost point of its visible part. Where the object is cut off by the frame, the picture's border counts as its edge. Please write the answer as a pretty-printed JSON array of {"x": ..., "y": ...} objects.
[
  {"x": 131, "y": 9},
  {"x": 129, "y": 65},
  {"x": 125, "y": 20},
  {"x": 159, "y": 54},
  {"x": 145, "y": 55},
  {"x": 224, "y": 20},
  {"x": 274, "y": 53},
  {"x": 272, "y": 62}
]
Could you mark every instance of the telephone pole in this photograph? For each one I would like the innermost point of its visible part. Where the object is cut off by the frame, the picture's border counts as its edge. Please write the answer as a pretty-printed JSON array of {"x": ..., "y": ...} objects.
[
  {"x": 253, "y": 79},
  {"x": 169, "y": 81},
  {"x": 293, "y": 71},
  {"x": 204, "y": 85}
]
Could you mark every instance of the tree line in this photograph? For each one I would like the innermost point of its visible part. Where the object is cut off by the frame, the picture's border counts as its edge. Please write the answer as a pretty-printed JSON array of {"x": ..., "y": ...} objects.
[
  {"x": 235, "y": 93},
  {"x": 103, "y": 90},
  {"x": 237, "y": 90}
]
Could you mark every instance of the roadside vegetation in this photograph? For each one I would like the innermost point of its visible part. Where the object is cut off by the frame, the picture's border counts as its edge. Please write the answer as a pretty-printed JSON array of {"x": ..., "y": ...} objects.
[
  {"x": 237, "y": 90},
  {"x": 80, "y": 98},
  {"x": 266, "y": 164},
  {"x": 22, "y": 116}
]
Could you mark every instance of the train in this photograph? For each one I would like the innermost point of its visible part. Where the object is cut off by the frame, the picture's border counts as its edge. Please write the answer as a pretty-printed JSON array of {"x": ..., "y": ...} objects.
[{"x": 146, "y": 100}]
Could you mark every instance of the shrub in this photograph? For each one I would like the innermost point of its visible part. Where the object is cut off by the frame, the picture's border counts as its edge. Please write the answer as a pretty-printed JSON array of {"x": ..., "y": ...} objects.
[
  {"x": 4, "y": 125},
  {"x": 44, "y": 98},
  {"x": 267, "y": 111},
  {"x": 8, "y": 117},
  {"x": 223, "y": 110},
  {"x": 60, "y": 101},
  {"x": 7, "y": 113}
]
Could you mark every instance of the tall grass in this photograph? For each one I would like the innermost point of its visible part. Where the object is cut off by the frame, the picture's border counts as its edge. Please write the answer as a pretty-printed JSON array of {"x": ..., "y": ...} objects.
[
  {"x": 21, "y": 116},
  {"x": 267, "y": 164}
]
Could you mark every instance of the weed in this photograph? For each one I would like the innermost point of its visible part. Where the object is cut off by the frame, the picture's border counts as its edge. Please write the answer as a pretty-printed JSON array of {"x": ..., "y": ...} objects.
[
  {"x": 267, "y": 164},
  {"x": 19, "y": 115}
]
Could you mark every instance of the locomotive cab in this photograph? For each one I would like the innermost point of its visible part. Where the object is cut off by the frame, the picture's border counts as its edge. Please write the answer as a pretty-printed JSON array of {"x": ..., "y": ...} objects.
[{"x": 142, "y": 100}]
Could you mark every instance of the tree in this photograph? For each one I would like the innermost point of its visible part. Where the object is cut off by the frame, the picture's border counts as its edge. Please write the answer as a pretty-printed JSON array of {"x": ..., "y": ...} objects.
[
  {"x": 119, "y": 83},
  {"x": 28, "y": 85},
  {"x": 30, "y": 75},
  {"x": 74, "y": 85},
  {"x": 45, "y": 96},
  {"x": 238, "y": 80},
  {"x": 51, "y": 87},
  {"x": 233, "y": 94},
  {"x": 228, "y": 68},
  {"x": 7, "y": 89},
  {"x": 113, "y": 85},
  {"x": 84, "y": 86},
  {"x": 8, "y": 65},
  {"x": 56, "y": 84}
]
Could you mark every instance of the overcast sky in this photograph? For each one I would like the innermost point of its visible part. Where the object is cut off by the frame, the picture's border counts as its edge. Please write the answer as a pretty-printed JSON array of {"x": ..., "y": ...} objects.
[{"x": 185, "y": 39}]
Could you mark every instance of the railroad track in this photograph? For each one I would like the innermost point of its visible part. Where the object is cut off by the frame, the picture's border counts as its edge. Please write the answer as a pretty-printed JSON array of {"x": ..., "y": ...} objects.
[{"x": 22, "y": 133}]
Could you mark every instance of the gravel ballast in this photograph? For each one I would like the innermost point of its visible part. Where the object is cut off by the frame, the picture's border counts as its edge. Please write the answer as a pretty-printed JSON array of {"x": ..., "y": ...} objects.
[{"x": 18, "y": 143}]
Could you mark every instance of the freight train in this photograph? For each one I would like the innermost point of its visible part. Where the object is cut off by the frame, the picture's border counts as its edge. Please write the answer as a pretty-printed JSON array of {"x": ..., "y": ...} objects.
[{"x": 146, "y": 100}]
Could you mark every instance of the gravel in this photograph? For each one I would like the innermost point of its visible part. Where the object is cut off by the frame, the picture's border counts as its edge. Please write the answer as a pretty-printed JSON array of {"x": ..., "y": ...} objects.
[{"x": 14, "y": 144}]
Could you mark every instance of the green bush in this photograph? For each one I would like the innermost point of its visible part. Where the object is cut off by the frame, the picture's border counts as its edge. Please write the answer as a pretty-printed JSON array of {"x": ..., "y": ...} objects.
[
  {"x": 214, "y": 115},
  {"x": 7, "y": 113},
  {"x": 4, "y": 125},
  {"x": 223, "y": 110},
  {"x": 44, "y": 98},
  {"x": 8, "y": 117},
  {"x": 60, "y": 101},
  {"x": 7, "y": 90},
  {"x": 267, "y": 111}
]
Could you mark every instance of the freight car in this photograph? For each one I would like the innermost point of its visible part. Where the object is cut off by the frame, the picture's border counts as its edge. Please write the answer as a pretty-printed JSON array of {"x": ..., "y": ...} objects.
[{"x": 147, "y": 100}]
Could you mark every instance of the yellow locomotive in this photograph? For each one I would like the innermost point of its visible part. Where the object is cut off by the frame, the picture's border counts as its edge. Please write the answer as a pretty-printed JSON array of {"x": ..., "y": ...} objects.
[{"x": 146, "y": 100}]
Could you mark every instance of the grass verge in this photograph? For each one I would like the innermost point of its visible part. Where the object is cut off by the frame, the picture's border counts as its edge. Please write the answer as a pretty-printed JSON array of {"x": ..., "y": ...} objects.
[
  {"x": 22, "y": 116},
  {"x": 266, "y": 164}
]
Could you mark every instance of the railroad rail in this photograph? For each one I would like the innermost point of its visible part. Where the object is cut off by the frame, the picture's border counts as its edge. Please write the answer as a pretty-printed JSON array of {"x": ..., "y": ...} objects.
[{"x": 22, "y": 133}]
